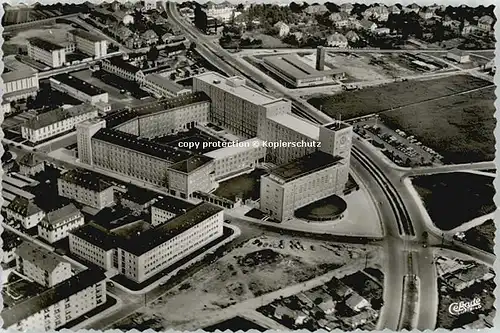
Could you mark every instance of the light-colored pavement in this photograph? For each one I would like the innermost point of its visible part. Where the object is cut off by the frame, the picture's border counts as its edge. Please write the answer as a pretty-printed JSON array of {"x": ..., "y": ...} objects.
[{"x": 450, "y": 168}]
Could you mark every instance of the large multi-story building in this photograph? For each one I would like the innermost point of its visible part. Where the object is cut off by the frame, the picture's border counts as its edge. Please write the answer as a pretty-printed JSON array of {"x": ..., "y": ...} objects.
[
  {"x": 24, "y": 211},
  {"x": 49, "y": 124},
  {"x": 59, "y": 305},
  {"x": 160, "y": 86},
  {"x": 243, "y": 156},
  {"x": 87, "y": 188},
  {"x": 237, "y": 107},
  {"x": 121, "y": 68},
  {"x": 57, "y": 224},
  {"x": 89, "y": 43},
  {"x": 81, "y": 90},
  {"x": 300, "y": 182},
  {"x": 41, "y": 265},
  {"x": 166, "y": 117},
  {"x": 84, "y": 132},
  {"x": 168, "y": 208},
  {"x": 19, "y": 84},
  {"x": 139, "y": 256},
  {"x": 30, "y": 164},
  {"x": 47, "y": 52}
]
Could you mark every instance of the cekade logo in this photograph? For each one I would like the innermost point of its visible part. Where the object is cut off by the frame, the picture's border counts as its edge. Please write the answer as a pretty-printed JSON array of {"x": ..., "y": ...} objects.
[{"x": 461, "y": 307}]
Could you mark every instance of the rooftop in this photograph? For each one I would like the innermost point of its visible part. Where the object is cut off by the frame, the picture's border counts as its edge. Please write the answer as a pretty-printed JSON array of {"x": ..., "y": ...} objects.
[
  {"x": 51, "y": 296},
  {"x": 119, "y": 62},
  {"x": 173, "y": 205},
  {"x": 153, "y": 237},
  {"x": 23, "y": 206},
  {"x": 235, "y": 86},
  {"x": 297, "y": 124},
  {"x": 10, "y": 240},
  {"x": 229, "y": 151},
  {"x": 60, "y": 216},
  {"x": 86, "y": 179},
  {"x": 86, "y": 35},
  {"x": 40, "y": 256},
  {"x": 145, "y": 146},
  {"x": 305, "y": 165},
  {"x": 165, "y": 83},
  {"x": 292, "y": 66},
  {"x": 96, "y": 235},
  {"x": 19, "y": 74},
  {"x": 44, "y": 44},
  {"x": 139, "y": 195},
  {"x": 191, "y": 164},
  {"x": 171, "y": 103},
  {"x": 57, "y": 115},
  {"x": 78, "y": 84},
  {"x": 30, "y": 160}
]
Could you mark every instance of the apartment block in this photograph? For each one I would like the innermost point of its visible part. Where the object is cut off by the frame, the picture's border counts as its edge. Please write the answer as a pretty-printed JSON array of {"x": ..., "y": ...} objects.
[
  {"x": 87, "y": 188},
  {"x": 57, "y": 224}
]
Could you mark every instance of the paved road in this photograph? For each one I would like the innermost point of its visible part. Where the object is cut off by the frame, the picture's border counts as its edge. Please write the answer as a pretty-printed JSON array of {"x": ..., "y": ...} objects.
[{"x": 450, "y": 168}]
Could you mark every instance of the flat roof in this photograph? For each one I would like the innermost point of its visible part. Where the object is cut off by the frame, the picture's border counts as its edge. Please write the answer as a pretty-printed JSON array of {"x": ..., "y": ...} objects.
[
  {"x": 44, "y": 44},
  {"x": 149, "y": 147},
  {"x": 173, "y": 205},
  {"x": 119, "y": 62},
  {"x": 164, "y": 82},
  {"x": 171, "y": 103},
  {"x": 18, "y": 74},
  {"x": 236, "y": 86},
  {"x": 53, "y": 295},
  {"x": 305, "y": 165},
  {"x": 154, "y": 237},
  {"x": 57, "y": 115},
  {"x": 191, "y": 164},
  {"x": 246, "y": 145},
  {"x": 291, "y": 65},
  {"x": 86, "y": 35},
  {"x": 86, "y": 179},
  {"x": 78, "y": 84},
  {"x": 297, "y": 124}
]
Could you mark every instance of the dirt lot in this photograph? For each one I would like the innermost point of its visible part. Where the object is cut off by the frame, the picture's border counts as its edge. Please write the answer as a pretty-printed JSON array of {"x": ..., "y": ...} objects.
[
  {"x": 460, "y": 128},
  {"x": 455, "y": 198},
  {"x": 382, "y": 98},
  {"x": 246, "y": 273},
  {"x": 360, "y": 67},
  {"x": 54, "y": 31}
]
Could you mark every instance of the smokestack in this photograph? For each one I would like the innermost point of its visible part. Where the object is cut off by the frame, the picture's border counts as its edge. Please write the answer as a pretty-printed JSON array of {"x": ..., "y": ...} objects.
[{"x": 320, "y": 58}]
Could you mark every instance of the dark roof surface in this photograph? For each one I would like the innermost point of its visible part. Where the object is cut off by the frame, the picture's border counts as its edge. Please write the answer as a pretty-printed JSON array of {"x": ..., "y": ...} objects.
[
  {"x": 86, "y": 179},
  {"x": 173, "y": 205},
  {"x": 51, "y": 296},
  {"x": 44, "y": 44},
  {"x": 305, "y": 165},
  {"x": 152, "y": 238},
  {"x": 96, "y": 235},
  {"x": 78, "y": 84},
  {"x": 23, "y": 206},
  {"x": 119, "y": 62},
  {"x": 57, "y": 115},
  {"x": 59, "y": 216},
  {"x": 40, "y": 256}
]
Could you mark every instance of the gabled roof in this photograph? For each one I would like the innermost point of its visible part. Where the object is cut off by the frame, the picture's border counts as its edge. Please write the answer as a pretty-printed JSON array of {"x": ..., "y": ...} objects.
[
  {"x": 23, "y": 206},
  {"x": 39, "y": 256},
  {"x": 58, "y": 216}
]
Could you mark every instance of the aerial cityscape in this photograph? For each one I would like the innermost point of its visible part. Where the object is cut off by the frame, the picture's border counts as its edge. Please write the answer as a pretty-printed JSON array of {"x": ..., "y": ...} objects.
[{"x": 237, "y": 166}]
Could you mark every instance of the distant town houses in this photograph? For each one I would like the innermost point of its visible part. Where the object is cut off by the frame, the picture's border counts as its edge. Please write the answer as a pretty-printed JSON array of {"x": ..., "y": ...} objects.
[
  {"x": 382, "y": 31},
  {"x": 367, "y": 25},
  {"x": 352, "y": 36},
  {"x": 340, "y": 19},
  {"x": 316, "y": 9},
  {"x": 485, "y": 23},
  {"x": 426, "y": 13},
  {"x": 346, "y": 8},
  {"x": 468, "y": 28},
  {"x": 412, "y": 8},
  {"x": 282, "y": 28},
  {"x": 337, "y": 40},
  {"x": 378, "y": 13},
  {"x": 149, "y": 37},
  {"x": 10, "y": 242},
  {"x": 394, "y": 9}
]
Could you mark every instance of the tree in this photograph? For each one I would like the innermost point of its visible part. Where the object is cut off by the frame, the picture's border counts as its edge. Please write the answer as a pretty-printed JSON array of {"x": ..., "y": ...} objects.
[{"x": 153, "y": 53}]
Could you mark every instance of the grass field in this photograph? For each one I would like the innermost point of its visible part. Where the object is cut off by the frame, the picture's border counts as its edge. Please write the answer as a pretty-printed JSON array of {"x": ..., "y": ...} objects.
[
  {"x": 459, "y": 127},
  {"x": 351, "y": 104},
  {"x": 452, "y": 199},
  {"x": 482, "y": 236}
]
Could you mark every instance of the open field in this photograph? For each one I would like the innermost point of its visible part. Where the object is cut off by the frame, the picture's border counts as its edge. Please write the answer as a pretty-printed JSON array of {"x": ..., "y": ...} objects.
[
  {"x": 460, "y": 128},
  {"x": 351, "y": 104},
  {"x": 51, "y": 32},
  {"x": 482, "y": 236},
  {"x": 455, "y": 198},
  {"x": 260, "y": 266}
]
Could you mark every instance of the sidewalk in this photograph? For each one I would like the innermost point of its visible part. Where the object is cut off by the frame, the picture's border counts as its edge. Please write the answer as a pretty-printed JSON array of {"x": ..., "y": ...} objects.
[{"x": 155, "y": 284}]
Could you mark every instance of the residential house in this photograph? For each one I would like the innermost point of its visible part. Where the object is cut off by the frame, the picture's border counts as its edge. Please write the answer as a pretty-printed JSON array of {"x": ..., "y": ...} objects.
[
  {"x": 339, "y": 288},
  {"x": 468, "y": 28},
  {"x": 327, "y": 305},
  {"x": 133, "y": 42},
  {"x": 426, "y": 13},
  {"x": 30, "y": 165},
  {"x": 57, "y": 224},
  {"x": 24, "y": 211},
  {"x": 346, "y": 8},
  {"x": 367, "y": 25},
  {"x": 337, "y": 40},
  {"x": 485, "y": 23},
  {"x": 356, "y": 302},
  {"x": 282, "y": 28},
  {"x": 149, "y": 37},
  {"x": 382, "y": 31},
  {"x": 339, "y": 20},
  {"x": 282, "y": 312},
  {"x": 360, "y": 318},
  {"x": 379, "y": 13},
  {"x": 412, "y": 8},
  {"x": 394, "y": 9},
  {"x": 316, "y": 10},
  {"x": 123, "y": 17},
  {"x": 469, "y": 277},
  {"x": 41, "y": 265},
  {"x": 122, "y": 32},
  {"x": 299, "y": 36},
  {"x": 449, "y": 22},
  {"x": 10, "y": 242},
  {"x": 352, "y": 36}
]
